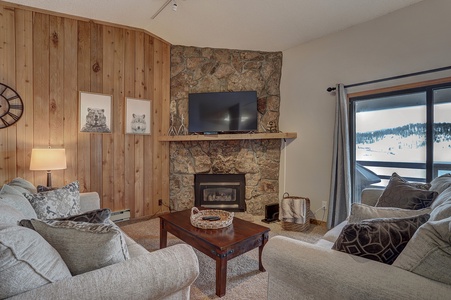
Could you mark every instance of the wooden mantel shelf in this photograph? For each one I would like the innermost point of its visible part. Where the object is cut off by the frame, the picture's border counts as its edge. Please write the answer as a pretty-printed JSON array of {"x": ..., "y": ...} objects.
[{"x": 225, "y": 137}]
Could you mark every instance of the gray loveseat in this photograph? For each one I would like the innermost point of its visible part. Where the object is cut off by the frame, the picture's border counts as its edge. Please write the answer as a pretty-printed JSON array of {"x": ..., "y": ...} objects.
[
  {"x": 164, "y": 274},
  {"x": 299, "y": 270}
]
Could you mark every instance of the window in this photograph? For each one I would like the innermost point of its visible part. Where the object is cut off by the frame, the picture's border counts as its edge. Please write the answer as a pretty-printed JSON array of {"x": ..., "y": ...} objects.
[{"x": 407, "y": 131}]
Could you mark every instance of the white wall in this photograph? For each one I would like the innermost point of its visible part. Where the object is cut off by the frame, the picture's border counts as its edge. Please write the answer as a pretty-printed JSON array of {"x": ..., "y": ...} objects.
[{"x": 413, "y": 39}]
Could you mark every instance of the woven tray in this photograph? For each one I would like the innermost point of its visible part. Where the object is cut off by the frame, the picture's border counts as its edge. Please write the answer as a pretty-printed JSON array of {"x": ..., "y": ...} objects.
[{"x": 197, "y": 215}]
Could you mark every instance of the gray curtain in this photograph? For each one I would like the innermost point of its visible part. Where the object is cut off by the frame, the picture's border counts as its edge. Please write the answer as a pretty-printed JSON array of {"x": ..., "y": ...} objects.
[{"x": 340, "y": 188}]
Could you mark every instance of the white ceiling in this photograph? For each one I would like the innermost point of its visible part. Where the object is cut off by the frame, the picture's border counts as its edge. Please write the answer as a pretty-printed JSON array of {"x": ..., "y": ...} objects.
[{"x": 266, "y": 25}]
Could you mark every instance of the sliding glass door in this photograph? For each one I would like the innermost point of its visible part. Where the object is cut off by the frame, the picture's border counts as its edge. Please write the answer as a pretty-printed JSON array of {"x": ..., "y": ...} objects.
[
  {"x": 442, "y": 131},
  {"x": 406, "y": 131}
]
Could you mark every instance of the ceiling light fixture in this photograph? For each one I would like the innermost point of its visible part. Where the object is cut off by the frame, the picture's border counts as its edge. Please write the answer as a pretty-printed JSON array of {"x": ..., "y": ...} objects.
[{"x": 174, "y": 8}]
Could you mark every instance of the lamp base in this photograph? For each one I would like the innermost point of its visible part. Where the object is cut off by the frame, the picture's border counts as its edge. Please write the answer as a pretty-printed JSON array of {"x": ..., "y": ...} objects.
[{"x": 49, "y": 179}]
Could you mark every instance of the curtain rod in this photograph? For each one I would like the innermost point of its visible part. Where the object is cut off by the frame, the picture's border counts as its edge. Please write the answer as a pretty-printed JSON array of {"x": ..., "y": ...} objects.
[{"x": 330, "y": 89}]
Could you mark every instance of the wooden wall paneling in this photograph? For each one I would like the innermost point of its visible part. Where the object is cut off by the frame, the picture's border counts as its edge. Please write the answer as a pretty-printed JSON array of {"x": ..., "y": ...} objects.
[
  {"x": 56, "y": 92},
  {"x": 84, "y": 84},
  {"x": 4, "y": 176},
  {"x": 147, "y": 69},
  {"x": 96, "y": 83},
  {"x": 118, "y": 183},
  {"x": 164, "y": 119},
  {"x": 24, "y": 85},
  {"x": 140, "y": 147},
  {"x": 8, "y": 136},
  {"x": 108, "y": 88},
  {"x": 129, "y": 141},
  {"x": 157, "y": 108},
  {"x": 41, "y": 76},
  {"x": 70, "y": 98},
  {"x": 52, "y": 59}
]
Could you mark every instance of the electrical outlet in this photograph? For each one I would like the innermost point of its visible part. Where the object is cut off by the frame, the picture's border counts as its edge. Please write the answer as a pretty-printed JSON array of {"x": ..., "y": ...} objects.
[
  {"x": 324, "y": 205},
  {"x": 160, "y": 202}
]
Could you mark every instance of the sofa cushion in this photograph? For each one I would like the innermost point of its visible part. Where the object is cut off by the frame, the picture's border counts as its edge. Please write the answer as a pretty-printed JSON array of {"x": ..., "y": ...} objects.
[
  {"x": 360, "y": 212},
  {"x": 57, "y": 203},
  {"x": 441, "y": 209},
  {"x": 441, "y": 183},
  {"x": 84, "y": 246},
  {"x": 401, "y": 194},
  {"x": 27, "y": 261},
  {"x": 378, "y": 239},
  {"x": 14, "y": 198},
  {"x": 22, "y": 185},
  {"x": 429, "y": 252}
]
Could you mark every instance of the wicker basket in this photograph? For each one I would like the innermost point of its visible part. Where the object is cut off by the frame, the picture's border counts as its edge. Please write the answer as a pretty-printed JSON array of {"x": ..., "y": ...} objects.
[
  {"x": 291, "y": 226},
  {"x": 197, "y": 215}
]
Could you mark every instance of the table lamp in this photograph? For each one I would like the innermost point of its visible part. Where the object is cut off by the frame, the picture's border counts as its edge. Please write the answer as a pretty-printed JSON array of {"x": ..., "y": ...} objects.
[{"x": 48, "y": 160}]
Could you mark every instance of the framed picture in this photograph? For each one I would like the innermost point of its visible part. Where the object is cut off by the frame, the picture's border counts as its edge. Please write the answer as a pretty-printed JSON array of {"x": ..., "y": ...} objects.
[
  {"x": 138, "y": 118},
  {"x": 95, "y": 112}
]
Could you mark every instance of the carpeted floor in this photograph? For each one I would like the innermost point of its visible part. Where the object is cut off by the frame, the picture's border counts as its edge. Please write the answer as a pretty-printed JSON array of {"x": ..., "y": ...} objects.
[{"x": 244, "y": 280}]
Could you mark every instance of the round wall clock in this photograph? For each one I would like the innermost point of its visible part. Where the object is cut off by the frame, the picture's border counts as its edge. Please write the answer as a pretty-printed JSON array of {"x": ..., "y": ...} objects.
[{"x": 11, "y": 106}]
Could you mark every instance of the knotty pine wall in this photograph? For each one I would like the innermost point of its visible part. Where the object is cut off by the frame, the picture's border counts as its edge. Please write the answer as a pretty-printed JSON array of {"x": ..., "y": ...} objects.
[{"x": 48, "y": 59}]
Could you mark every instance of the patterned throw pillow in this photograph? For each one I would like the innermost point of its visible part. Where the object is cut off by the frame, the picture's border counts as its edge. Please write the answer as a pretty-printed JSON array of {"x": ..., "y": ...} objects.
[
  {"x": 402, "y": 194},
  {"x": 84, "y": 246},
  {"x": 378, "y": 239},
  {"x": 59, "y": 203},
  {"x": 94, "y": 216}
]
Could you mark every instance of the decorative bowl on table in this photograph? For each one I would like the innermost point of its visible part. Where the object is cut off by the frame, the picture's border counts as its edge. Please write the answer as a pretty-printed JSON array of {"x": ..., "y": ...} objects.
[{"x": 210, "y": 218}]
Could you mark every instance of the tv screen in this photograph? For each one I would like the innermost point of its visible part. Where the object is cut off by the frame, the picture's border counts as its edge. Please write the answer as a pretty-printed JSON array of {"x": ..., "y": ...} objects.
[{"x": 222, "y": 112}]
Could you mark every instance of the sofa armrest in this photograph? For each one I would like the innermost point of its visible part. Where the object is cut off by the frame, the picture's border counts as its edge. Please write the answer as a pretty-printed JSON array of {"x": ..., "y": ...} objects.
[
  {"x": 370, "y": 196},
  {"x": 155, "y": 275},
  {"x": 298, "y": 270},
  {"x": 89, "y": 201}
]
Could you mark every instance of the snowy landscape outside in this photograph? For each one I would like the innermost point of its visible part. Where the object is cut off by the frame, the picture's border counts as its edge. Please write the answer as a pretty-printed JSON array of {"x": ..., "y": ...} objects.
[{"x": 399, "y": 135}]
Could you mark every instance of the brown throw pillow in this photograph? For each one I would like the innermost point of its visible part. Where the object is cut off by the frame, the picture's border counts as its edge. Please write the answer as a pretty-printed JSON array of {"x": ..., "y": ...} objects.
[
  {"x": 402, "y": 194},
  {"x": 418, "y": 185},
  {"x": 378, "y": 239}
]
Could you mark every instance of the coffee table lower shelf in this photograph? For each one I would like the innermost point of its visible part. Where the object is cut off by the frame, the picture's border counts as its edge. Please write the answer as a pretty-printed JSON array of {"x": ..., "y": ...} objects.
[{"x": 219, "y": 244}]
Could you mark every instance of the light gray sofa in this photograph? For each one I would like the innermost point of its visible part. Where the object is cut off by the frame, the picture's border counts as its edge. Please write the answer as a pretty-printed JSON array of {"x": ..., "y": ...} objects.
[
  {"x": 299, "y": 270},
  {"x": 164, "y": 274}
]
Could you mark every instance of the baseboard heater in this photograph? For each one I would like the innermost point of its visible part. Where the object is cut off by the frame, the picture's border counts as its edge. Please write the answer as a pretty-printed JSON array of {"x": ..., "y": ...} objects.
[{"x": 120, "y": 215}]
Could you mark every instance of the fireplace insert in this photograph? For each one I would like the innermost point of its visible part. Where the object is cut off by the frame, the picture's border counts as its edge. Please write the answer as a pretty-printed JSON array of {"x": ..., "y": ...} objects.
[{"x": 220, "y": 191}]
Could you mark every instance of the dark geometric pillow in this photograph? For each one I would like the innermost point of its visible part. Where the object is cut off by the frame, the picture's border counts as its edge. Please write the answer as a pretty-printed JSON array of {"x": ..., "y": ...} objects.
[
  {"x": 42, "y": 188},
  {"x": 98, "y": 216},
  {"x": 402, "y": 194},
  {"x": 94, "y": 216},
  {"x": 378, "y": 239}
]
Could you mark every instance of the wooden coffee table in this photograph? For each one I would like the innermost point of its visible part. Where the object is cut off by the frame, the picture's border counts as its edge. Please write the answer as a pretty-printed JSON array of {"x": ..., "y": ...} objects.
[{"x": 220, "y": 244}]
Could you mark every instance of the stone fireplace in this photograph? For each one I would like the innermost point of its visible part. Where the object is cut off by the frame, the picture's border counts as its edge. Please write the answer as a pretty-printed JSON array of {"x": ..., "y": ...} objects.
[
  {"x": 220, "y": 191},
  {"x": 197, "y": 70},
  {"x": 258, "y": 160}
]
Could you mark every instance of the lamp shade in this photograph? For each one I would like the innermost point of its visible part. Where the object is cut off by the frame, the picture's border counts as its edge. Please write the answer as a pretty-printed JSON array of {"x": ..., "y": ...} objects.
[{"x": 48, "y": 159}]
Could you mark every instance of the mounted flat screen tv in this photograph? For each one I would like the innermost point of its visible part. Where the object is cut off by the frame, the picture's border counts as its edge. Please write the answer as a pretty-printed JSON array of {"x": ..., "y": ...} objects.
[{"x": 222, "y": 112}]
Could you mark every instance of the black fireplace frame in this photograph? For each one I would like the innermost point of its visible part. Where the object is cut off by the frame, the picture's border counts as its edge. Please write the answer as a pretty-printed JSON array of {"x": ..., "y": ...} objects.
[{"x": 234, "y": 181}]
